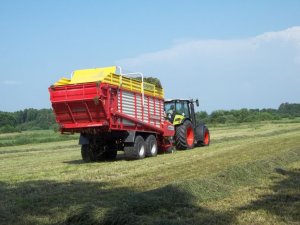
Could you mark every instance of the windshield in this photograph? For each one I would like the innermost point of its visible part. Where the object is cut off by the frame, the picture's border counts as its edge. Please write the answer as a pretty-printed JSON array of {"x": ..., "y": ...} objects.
[
  {"x": 176, "y": 108},
  {"x": 182, "y": 108}
]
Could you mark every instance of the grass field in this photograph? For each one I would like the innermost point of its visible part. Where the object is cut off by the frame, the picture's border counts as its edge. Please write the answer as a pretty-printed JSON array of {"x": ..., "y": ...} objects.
[{"x": 250, "y": 174}]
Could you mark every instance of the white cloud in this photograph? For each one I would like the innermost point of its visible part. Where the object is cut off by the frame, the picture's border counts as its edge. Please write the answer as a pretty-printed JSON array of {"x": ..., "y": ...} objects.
[
  {"x": 260, "y": 71},
  {"x": 9, "y": 82},
  {"x": 290, "y": 34}
]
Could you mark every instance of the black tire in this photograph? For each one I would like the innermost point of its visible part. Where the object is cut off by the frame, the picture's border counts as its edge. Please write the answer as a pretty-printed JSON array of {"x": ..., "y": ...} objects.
[
  {"x": 151, "y": 146},
  {"x": 137, "y": 151},
  {"x": 109, "y": 154},
  {"x": 181, "y": 136},
  {"x": 205, "y": 139},
  {"x": 89, "y": 152}
]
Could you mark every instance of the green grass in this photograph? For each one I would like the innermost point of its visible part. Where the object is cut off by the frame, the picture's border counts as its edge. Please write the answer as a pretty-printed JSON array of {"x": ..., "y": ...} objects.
[
  {"x": 249, "y": 175},
  {"x": 32, "y": 137}
]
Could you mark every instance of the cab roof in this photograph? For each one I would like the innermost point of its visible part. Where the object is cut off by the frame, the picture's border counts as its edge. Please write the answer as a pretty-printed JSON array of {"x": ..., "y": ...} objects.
[{"x": 177, "y": 99}]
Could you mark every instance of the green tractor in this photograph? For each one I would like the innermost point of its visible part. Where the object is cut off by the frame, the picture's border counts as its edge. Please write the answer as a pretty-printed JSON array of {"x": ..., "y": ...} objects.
[{"x": 189, "y": 133}]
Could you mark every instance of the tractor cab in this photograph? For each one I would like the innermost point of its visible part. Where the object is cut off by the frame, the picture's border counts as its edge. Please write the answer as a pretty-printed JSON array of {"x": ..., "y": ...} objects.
[
  {"x": 181, "y": 113},
  {"x": 179, "y": 109}
]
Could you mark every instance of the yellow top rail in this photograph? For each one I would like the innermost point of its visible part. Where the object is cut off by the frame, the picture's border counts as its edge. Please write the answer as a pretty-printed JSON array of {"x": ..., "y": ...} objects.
[{"x": 108, "y": 75}]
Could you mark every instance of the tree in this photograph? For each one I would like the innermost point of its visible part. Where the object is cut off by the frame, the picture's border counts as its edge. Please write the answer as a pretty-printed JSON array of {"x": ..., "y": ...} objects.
[
  {"x": 202, "y": 116},
  {"x": 289, "y": 109},
  {"x": 7, "y": 119}
]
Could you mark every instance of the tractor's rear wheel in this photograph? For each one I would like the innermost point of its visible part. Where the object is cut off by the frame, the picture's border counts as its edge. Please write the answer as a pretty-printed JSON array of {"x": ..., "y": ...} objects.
[
  {"x": 151, "y": 146},
  {"x": 89, "y": 152},
  {"x": 185, "y": 136},
  {"x": 137, "y": 150}
]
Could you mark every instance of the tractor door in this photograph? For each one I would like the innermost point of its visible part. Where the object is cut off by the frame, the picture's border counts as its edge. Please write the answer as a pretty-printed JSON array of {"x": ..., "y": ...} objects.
[{"x": 182, "y": 111}]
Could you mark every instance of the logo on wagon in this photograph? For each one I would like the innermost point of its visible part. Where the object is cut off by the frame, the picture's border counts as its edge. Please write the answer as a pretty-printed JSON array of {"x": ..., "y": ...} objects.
[{"x": 170, "y": 127}]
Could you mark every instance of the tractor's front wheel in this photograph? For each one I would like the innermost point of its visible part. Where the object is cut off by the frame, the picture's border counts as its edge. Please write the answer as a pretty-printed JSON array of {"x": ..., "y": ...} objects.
[
  {"x": 205, "y": 139},
  {"x": 185, "y": 136}
]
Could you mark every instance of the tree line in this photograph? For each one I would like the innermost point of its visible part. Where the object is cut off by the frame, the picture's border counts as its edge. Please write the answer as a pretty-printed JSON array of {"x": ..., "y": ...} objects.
[
  {"x": 35, "y": 119},
  {"x": 27, "y": 119},
  {"x": 285, "y": 110}
]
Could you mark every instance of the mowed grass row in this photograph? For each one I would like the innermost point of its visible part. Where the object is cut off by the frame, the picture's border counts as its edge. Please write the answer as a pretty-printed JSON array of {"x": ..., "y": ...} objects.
[{"x": 249, "y": 175}]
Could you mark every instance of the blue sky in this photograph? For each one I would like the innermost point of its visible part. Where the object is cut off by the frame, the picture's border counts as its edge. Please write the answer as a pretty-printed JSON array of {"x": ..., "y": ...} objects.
[{"x": 229, "y": 54}]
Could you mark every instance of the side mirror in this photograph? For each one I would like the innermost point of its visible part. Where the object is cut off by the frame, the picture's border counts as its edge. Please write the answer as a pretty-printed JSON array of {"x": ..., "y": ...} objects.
[{"x": 197, "y": 102}]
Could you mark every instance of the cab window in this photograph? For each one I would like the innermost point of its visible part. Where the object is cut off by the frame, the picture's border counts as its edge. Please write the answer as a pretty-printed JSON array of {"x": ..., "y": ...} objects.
[{"x": 182, "y": 109}]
